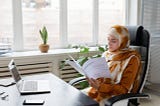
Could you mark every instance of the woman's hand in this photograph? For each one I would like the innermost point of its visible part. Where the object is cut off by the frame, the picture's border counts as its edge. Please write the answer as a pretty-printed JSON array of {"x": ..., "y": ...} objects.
[{"x": 94, "y": 83}]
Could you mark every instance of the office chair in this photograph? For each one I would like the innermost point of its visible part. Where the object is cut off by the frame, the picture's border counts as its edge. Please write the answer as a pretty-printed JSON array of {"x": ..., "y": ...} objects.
[{"x": 140, "y": 40}]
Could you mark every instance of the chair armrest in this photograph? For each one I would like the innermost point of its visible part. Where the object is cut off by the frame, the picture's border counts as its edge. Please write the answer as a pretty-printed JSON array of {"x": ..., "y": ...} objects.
[
  {"x": 77, "y": 80},
  {"x": 117, "y": 98}
]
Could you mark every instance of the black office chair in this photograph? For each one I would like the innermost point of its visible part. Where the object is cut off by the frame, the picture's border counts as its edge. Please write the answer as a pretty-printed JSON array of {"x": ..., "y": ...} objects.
[{"x": 140, "y": 40}]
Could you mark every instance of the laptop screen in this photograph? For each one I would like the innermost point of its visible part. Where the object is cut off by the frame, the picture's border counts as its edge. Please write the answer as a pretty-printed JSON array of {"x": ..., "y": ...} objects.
[{"x": 12, "y": 67}]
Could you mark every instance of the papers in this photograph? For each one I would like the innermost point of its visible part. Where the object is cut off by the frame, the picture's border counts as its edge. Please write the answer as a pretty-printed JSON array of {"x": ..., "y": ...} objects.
[{"x": 93, "y": 68}]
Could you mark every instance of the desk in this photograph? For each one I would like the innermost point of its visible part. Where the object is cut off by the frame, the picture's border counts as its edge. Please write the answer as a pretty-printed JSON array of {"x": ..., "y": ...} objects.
[{"x": 62, "y": 94}]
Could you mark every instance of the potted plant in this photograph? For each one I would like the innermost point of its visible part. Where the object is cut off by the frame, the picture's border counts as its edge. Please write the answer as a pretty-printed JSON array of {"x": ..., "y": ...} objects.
[{"x": 44, "y": 47}]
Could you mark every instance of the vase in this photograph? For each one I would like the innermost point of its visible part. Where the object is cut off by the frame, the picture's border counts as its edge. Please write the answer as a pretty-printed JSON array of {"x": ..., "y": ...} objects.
[{"x": 44, "y": 48}]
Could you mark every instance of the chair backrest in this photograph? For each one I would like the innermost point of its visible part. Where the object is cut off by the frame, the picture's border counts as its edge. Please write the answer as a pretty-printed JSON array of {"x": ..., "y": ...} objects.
[{"x": 140, "y": 39}]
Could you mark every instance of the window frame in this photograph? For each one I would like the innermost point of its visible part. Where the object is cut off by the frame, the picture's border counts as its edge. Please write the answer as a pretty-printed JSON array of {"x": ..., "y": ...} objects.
[{"x": 18, "y": 23}]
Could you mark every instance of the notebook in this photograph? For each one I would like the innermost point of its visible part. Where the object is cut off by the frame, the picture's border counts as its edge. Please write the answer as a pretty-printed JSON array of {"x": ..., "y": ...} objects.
[{"x": 28, "y": 86}]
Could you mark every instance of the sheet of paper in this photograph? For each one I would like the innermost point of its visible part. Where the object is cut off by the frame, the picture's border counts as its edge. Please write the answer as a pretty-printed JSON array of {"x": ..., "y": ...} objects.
[{"x": 96, "y": 68}]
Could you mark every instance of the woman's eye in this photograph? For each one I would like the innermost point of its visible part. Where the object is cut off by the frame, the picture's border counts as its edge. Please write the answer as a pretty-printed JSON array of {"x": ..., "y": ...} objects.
[{"x": 112, "y": 41}]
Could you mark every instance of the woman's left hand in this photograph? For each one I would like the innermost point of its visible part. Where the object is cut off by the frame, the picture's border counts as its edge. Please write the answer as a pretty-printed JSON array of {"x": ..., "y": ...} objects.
[{"x": 94, "y": 83}]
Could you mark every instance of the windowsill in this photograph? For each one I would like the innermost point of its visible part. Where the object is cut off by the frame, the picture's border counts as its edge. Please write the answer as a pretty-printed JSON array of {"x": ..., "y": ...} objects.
[{"x": 38, "y": 53}]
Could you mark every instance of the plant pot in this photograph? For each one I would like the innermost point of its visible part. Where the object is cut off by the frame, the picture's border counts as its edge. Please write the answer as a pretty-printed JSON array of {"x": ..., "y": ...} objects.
[{"x": 44, "y": 48}]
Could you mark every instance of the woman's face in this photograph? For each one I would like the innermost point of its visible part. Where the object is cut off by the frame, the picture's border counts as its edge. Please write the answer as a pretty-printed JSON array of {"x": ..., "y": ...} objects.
[{"x": 113, "y": 43}]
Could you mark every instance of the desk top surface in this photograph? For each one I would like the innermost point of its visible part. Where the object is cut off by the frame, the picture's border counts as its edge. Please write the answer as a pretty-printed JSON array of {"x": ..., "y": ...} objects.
[{"x": 62, "y": 94}]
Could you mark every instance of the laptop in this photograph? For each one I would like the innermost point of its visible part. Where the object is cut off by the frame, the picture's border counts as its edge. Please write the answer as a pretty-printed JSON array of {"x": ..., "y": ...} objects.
[{"x": 28, "y": 86}]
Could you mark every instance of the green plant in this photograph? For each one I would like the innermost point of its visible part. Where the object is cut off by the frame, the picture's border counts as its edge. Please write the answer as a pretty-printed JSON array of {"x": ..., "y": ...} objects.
[{"x": 44, "y": 34}]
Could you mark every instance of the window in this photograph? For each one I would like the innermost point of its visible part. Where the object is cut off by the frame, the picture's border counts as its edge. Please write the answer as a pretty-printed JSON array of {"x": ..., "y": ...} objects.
[
  {"x": 80, "y": 21},
  {"x": 67, "y": 21},
  {"x": 6, "y": 26},
  {"x": 36, "y": 14},
  {"x": 110, "y": 12}
]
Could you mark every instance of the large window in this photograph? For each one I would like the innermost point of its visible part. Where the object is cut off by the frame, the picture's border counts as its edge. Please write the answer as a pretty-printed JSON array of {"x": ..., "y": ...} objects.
[{"x": 67, "y": 21}]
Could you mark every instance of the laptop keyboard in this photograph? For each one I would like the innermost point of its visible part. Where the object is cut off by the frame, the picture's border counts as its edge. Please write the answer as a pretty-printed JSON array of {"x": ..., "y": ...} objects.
[{"x": 30, "y": 86}]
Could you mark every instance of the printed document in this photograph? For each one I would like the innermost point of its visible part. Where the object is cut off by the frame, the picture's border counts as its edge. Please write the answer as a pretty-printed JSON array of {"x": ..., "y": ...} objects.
[{"x": 92, "y": 68}]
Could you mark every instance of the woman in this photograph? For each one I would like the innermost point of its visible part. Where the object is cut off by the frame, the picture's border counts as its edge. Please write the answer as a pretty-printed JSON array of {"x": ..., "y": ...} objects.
[{"x": 124, "y": 66}]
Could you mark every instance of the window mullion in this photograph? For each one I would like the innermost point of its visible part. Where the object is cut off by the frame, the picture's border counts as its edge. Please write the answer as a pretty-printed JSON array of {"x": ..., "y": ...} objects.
[
  {"x": 17, "y": 25},
  {"x": 95, "y": 21},
  {"x": 63, "y": 23},
  {"x": 132, "y": 12}
]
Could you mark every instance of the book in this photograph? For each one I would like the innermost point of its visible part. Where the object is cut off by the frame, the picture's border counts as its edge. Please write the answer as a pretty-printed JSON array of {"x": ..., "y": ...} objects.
[{"x": 92, "y": 68}]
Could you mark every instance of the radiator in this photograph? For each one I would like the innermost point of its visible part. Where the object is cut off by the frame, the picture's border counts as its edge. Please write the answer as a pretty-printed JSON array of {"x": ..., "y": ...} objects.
[
  {"x": 67, "y": 73},
  {"x": 27, "y": 68}
]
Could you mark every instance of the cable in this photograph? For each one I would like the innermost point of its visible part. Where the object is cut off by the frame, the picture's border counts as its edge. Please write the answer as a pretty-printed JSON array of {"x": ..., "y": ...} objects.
[{"x": 7, "y": 85}]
